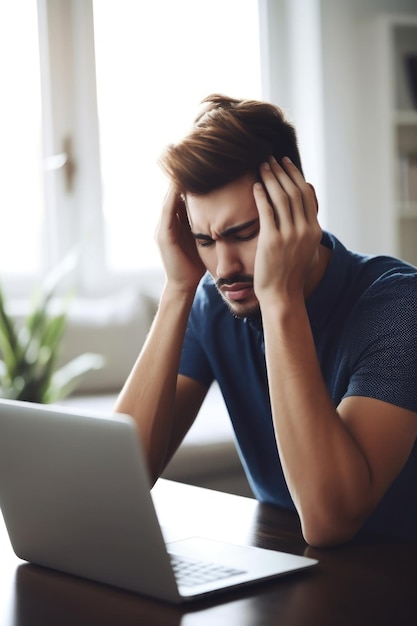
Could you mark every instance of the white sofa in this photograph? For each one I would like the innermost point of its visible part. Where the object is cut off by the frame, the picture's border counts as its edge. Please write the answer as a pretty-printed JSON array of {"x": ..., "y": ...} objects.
[{"x": 116, "y": 328}]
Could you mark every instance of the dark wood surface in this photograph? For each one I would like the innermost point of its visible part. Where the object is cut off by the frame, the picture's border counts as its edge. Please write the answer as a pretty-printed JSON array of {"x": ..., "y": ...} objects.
[{"x": 372, "y": 581}]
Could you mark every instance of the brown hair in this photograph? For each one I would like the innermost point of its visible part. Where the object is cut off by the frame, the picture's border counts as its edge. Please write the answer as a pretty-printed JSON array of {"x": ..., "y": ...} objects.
[{"x": 229, "y": 138}]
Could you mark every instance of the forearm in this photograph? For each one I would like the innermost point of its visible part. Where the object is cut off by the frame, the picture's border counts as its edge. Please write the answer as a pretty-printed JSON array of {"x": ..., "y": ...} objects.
[
  {"x": 149, "y": 393},
  {"x": 326, "y": 472}
]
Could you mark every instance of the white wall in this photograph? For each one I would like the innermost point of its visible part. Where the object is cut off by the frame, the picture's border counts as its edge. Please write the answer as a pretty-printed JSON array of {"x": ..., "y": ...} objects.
[
  {"x": 292, "y": 77},
  {"x": 332, "y": 47},
  {"x": 356, "y": 117}
]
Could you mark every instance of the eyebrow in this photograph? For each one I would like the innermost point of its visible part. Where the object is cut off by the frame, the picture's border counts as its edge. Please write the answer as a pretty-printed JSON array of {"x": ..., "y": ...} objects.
[{"x": 228, "y": 232}]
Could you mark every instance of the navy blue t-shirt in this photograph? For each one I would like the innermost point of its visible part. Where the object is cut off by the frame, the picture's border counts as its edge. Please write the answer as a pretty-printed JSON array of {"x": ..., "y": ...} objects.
[{"x": 363, "y": 316}]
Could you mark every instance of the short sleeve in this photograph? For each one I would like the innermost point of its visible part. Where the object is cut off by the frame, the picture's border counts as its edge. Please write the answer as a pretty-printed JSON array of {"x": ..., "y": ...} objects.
[
  {"x": 194, "y": 362},
  {"x": 384, "y": 353}
]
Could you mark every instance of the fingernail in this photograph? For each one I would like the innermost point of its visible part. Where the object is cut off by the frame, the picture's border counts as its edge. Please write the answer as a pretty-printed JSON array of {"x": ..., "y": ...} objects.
[
  {"x": 286, "y": 160},
  {"x": 266, "y": 166}
]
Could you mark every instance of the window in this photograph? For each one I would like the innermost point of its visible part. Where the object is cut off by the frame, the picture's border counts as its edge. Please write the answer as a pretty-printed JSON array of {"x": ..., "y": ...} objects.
[
  {"x": 164, "y": 58},
  {"x": 21, "y": 189},
  {"x": 117, "y": 82}
]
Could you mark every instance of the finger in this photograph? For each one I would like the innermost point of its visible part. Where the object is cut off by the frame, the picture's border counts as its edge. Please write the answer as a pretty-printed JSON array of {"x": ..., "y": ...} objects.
[
  {"x": 165, "y": 228},
  {"x": 280, "y": 199},
  {"x": 171, "y": 206},
  {"x": 181, "y": 210},
  {"x": 294, "y": 188},
  {"x": 170, "y": 200},
  {"x": 267, "y": 215},
  {"x": 310, "y": 205}
]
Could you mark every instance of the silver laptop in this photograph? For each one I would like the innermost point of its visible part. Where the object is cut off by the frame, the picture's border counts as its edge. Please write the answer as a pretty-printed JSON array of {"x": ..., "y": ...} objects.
[{"x": 75, "y": 497}]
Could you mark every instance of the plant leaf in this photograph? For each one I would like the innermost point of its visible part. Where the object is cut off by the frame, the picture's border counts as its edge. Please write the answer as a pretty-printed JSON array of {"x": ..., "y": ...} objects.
[
  {"x": 52, "y": 332},
  {"x": 9, "y": 344},
  {"x": 30, "y": 351},
  {"x": 66, "y": 379},
  {"x": 64, "y": 267}
]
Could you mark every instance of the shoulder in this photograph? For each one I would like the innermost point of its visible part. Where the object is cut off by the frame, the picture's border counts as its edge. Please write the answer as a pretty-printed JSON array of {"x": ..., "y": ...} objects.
[
  {"x": 370, "y": 296},
  {"x": 357, "y": 285},
  {"x": 364, "y": 270},
  {"x": 383, "y": 321},
  {"x": 373, "y": 280},
  {"x": 392, "y": 288}
]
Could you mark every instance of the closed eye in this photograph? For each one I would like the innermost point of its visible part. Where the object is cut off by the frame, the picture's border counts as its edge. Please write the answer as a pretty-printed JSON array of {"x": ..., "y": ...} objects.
[
  {"x": 242, "y": 232},
  {"x": 204, "y": 243},
  {"x": 248, "y": 236}
]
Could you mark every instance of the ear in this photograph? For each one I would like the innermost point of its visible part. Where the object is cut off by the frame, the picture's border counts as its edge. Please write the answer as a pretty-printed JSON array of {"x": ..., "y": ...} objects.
[{"x": 315, "y": 196}]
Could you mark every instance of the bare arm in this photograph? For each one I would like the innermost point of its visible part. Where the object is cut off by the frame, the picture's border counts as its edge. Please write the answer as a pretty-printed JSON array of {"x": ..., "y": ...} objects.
[
  {"x": 150, "y": 393},
  {"x": 163, "y": 409},
  {"x": 338, "y": 461}
]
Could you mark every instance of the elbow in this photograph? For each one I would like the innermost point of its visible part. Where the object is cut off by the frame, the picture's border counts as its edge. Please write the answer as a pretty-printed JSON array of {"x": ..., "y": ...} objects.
[
  {"x": 326, "y": 539},
  {"x": 329, "y": 532}
]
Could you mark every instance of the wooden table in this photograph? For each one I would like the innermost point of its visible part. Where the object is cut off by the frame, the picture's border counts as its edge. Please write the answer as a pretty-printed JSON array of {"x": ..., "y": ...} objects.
[{"x": 372, "y": 581}]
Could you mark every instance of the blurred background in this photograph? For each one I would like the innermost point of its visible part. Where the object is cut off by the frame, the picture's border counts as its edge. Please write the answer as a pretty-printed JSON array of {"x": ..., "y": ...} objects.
[{"x": 93, "y": 90}]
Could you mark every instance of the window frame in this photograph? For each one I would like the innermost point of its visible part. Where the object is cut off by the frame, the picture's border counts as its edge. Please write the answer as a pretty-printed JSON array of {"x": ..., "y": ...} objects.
[
  {"x": 71, "y": 158},
  {"x": 70, "y": 129}
]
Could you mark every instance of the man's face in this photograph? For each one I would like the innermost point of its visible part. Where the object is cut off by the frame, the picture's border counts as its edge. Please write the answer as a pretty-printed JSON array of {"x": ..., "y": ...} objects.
[{"x": 225, "y": 225}]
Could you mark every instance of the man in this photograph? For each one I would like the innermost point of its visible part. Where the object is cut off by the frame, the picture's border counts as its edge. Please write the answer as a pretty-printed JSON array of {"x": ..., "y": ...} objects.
[{"x": 314, "y": 347}]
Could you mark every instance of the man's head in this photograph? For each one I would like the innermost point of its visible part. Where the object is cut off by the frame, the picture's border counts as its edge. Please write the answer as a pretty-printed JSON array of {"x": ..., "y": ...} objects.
[
  {"x": 229, "y": 139},
  {"x": 214, "y": 167}
]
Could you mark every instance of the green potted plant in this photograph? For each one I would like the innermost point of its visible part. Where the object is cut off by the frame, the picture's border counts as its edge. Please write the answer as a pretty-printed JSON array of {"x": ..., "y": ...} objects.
[{"x": 29, "y": 352}]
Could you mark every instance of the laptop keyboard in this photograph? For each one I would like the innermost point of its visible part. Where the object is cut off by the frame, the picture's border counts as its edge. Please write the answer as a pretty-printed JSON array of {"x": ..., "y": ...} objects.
[{"x": 190, "y": 573}]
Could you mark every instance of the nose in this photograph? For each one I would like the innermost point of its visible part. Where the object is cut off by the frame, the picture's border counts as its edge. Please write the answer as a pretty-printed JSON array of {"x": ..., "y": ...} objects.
[{"x": 228, "y": 260}]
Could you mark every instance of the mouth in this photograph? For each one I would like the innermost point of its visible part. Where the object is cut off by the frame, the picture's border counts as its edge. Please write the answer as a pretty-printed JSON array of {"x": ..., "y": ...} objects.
[{"x": 237, "y": 291}]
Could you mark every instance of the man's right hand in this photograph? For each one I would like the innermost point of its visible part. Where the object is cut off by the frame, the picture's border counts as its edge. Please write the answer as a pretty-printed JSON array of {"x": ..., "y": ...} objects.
[{"x": 183, "y": 266}]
